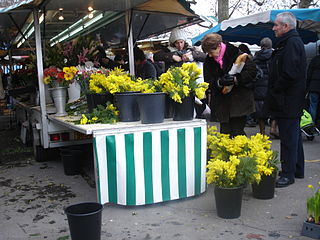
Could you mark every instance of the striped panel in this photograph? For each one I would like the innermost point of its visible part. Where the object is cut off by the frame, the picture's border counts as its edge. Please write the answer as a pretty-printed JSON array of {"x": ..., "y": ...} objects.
[{"x": 149, "y": 167}]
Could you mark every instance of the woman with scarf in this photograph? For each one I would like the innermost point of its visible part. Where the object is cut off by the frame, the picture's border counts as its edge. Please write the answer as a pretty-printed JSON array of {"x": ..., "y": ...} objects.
[{"x": 231, "y": 92}]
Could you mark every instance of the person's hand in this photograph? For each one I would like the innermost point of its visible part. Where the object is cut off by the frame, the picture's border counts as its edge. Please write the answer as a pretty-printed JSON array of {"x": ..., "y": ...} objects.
[
  {"x": 226, "y": 80},
  {"x": 176, "y": 58}
]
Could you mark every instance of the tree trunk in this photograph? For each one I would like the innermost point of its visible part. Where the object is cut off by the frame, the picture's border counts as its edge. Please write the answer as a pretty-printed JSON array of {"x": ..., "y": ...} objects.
[
  {"x": 305, "y": 3},
  {"x": 223, "y": 10}
]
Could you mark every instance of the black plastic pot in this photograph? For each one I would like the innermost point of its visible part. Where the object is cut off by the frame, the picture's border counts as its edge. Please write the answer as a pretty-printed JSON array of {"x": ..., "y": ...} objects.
[
  {"x": 168, "y": 110},
  {"x": 128, "y": 106},
  {"x": 228, "y": 202},
  {"x": 85, "y": 220},
  {"x": 183, "y": 111},
  {"x": 151, "y": 107},
  {"x": 265, "y": 189},
  {"x": 95, "y": 99},
  {"x": 70, "y": 159},
  {"x": 311, "y": 230}
]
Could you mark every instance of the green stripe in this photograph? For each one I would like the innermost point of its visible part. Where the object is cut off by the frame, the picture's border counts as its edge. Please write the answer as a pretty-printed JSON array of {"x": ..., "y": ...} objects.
[
  {"x": 147, "y": 163},
  {"x": 165, "y": 179},
  {"x": 112, "y": 168},
  {"x": 97, "y": 169},
  {"x": 197, "y": 160},
  {"x": 182, "y": 163},
  {"x": 130, "y": 171}
]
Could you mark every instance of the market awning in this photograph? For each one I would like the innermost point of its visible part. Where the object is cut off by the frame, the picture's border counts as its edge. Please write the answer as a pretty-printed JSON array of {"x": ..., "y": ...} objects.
[{"x": 251, "y": 29}]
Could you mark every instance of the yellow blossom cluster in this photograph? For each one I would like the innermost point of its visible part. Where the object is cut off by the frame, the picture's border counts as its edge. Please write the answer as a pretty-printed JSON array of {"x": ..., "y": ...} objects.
[
  {"x": 69, "y": 72},
  {"x": 116, "y": 81},
  {"x": 227, "y": 153},
  {"x": 180, "y": 82}
]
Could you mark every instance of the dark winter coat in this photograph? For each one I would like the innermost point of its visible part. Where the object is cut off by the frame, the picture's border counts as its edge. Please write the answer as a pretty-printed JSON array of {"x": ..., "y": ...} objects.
[
  {"x": 165, "y": 55},
  {"x": 146, "y": 70},
  {"x": 313, "y": 75},
  {"x": 238, "y": 102},
  {"x": 287, "y": 81},
  {"x": 261, "y": 59}
]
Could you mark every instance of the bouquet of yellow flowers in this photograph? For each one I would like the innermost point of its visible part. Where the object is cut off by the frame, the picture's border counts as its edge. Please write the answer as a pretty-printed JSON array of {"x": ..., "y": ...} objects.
[
  {"x": 106, "y": 115},
  {"x": 180, "y": 82},
  {"x": 239, "y": 160},
  {"x": 54, "y": 77},
  {"x": 116, "y": 81}
]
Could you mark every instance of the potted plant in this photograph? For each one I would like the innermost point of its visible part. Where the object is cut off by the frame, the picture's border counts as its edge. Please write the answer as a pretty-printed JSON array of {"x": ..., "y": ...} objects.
[
  {"x": 311, "y": 227},
  {"x": 59, "y": 80},
  {"x": 180, "y": 83},
  {"x": 232, "y": 165}
]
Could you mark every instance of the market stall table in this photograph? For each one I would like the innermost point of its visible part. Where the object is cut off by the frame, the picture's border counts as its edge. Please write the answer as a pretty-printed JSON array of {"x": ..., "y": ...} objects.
[{"x": 137, "y": 164}]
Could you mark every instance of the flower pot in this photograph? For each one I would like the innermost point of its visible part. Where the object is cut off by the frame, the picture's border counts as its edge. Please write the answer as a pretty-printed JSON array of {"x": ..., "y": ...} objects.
[
  {"x": 168, "y": 111},
  {"x": 311, "y": 230},
  {"x": 95, "y": 99},
  {"x": 74, "y": 92},
  {"x": 151, "y": 107},
  {"x": 183, "y": 111},
  {"x": 59, "y": 96},
  {"x": 85, "y": 220},
  {"x": 128, "y": 106},
  {"x": 265, "y": 189},
  {"x": 228, "y": 201}
]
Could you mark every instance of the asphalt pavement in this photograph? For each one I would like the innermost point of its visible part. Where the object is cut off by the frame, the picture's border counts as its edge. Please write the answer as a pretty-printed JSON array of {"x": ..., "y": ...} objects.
[{"x": 33, "y": 197}]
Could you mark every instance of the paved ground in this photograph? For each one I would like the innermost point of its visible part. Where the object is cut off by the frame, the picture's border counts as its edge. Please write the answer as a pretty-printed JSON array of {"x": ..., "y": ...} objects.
[{"x": 33, "y": 196}]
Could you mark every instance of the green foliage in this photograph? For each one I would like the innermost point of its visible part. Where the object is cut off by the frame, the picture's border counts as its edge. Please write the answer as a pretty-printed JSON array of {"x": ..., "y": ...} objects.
[
  {"x": 247, "y": 169},
  {"x": 313, "y": 205},
  {"x": 53, "y": 56},
  {"x": 100, "y": 114}
]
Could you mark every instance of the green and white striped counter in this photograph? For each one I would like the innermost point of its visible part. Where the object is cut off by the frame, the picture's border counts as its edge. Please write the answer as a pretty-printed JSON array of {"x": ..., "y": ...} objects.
[{"x": 150, "y": 163}]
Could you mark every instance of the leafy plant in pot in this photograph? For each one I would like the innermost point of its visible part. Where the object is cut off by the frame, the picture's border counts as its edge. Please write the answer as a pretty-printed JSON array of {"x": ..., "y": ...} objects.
[
  {"x": 231, "y": 166},
  {"x": 180, "y": 83},
  {"x": 311, "y": 227}
]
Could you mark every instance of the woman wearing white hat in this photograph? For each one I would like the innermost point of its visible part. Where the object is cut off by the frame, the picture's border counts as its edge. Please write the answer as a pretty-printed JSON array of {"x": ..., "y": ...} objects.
[{"x": 179, "y": 51}]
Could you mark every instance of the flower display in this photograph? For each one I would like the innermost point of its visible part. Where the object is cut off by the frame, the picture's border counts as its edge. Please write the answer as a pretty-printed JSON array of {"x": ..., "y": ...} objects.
[
  {"x": 180, "y": 82},
  {"x": 100, "y": 114},
  {"x": 239, "y": 160},
  {"x": 59, "y": 78},
  {"x": 116, "y": 81},
  {"x": 313, "y": 205}
]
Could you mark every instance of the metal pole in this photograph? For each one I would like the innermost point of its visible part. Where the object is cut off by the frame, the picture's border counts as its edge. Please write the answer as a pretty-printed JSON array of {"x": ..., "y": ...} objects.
[
  {"x": 130, "y": 41},
  {"x": 44, "y": 125}
]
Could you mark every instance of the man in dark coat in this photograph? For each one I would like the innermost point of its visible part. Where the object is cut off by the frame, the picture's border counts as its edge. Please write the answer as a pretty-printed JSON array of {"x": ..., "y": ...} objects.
[
  {"x": 231, "y": 108},
  {"x": 285, "y": 96},
  {"x": 143, "y": 68},
  {"x": 313, "y": 85}
]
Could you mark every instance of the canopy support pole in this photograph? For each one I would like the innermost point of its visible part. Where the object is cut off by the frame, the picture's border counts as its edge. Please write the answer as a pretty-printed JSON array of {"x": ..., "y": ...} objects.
[
  {"x": 130, "y": 40},
  {"x": 44, "y": 125}
]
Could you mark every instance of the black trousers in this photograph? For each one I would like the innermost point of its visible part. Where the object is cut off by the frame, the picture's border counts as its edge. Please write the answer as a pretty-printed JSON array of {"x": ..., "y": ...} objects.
[
  {"x": 291, "y": 148},
  {"x": 234, "y": 127}
]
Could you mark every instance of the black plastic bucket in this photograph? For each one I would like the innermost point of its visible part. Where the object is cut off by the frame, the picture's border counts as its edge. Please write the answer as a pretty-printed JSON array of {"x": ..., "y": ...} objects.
[
  {"x": 95, "y": 99},
  {"x": 184, "y": 111},
  {"x": 151, "y": 106},
  {"x": 265, "y": 189},
  {"x": 128, "y": 106},
  {"x": 85, "y": 220},
  {"x": 70, "y": 161},
  {"x": 168, "y": 111}
]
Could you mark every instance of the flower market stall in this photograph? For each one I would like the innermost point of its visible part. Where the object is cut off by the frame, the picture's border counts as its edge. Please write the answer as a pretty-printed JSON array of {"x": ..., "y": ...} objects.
[{"x": 135, "y": 163}]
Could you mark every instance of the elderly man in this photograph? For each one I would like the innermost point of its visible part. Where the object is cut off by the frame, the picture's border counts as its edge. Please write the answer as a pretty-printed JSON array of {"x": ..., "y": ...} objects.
[{"x": 285, "y": 96}]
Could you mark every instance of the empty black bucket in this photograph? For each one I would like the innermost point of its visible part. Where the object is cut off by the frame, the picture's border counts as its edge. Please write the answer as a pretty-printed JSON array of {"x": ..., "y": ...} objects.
[
  {"x": 70, "y": 159},
  {"x": 85, "y": 220},
  {"x": 151, "y": 106}
]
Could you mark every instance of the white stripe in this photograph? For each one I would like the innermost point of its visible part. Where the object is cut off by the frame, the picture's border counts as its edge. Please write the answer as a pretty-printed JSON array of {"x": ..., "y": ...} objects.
[
  {"x": 173, "y": 164},
  {"x": 121, "y": 169},
  {"x": 139, "y": 169},
  {"x": 103, "y": 169},
  {"x": 156, "y": 167},
  {"x": 203, "y": 157},
  {"x": 190, "y": 161}
]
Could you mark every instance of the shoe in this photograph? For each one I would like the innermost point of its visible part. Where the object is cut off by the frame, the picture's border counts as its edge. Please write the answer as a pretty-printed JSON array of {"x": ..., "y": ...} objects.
[
  {"x": 296, "y": 175},
  {"x": 284, "y": 182}
]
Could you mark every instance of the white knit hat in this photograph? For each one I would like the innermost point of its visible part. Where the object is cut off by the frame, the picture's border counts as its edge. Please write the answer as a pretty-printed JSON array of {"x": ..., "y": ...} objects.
[{"x": 177, "y": 34}]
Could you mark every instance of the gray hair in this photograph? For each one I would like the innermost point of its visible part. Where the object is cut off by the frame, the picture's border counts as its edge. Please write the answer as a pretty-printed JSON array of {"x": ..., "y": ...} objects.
[
  {"x": 287, "y": 18},
  {"x": 266, "y": 43}
]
